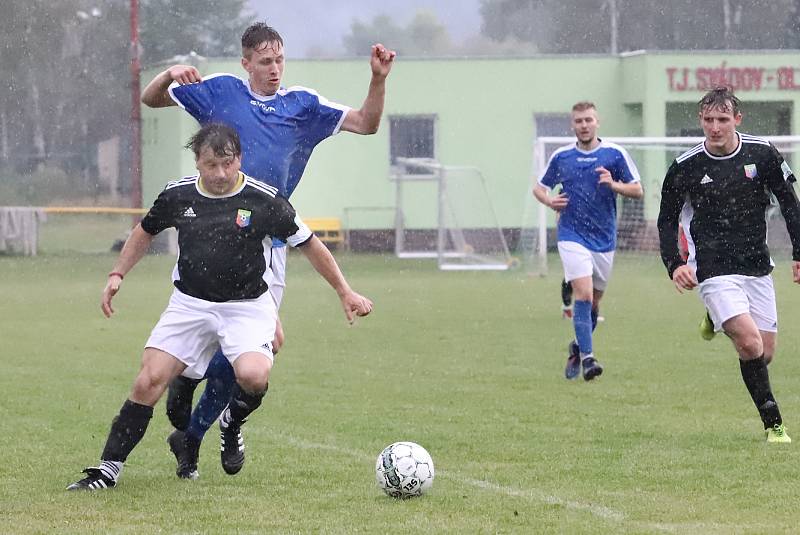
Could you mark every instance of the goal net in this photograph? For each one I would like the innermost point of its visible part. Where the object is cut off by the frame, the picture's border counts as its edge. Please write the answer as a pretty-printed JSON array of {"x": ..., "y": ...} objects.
[
  {"x": 445, "y": 212},
  {"x": 636, "y": 218}
]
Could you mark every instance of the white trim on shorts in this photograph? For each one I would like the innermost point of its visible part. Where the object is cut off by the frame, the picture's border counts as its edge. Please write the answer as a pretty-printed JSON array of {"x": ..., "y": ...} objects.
[
  {"x": 192, "y": 329},
  {"x": 578, "y": 262},
  {"x": 727, "y": 296}
]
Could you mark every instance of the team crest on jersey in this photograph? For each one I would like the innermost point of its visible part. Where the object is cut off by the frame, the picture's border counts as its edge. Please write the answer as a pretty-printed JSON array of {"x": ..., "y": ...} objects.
[
  {"x": 750, "y": 171},
  {"x": 243, "y": 218}
]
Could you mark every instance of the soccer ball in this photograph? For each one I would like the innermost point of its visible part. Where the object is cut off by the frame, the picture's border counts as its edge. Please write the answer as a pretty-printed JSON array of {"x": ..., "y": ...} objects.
[{"x": 404, "y": 469}]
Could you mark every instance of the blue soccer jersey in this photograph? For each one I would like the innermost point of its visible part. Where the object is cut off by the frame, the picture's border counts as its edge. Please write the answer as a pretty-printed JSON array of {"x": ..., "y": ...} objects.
[
  {"x": 277, "y": 132},
  {"x": 590, "y": 217}
]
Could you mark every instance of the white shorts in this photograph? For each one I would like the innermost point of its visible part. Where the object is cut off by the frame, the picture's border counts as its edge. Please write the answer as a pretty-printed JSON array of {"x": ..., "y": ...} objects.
[
  {"x": 727, "y": 296},
  {"x": 578, "y": 262},
  {"x": 277, "y": 281},
  {"x": 191, "y": 330}
]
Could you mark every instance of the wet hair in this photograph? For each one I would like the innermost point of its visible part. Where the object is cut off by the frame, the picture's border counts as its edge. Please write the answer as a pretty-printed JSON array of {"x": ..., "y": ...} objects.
[
  {"x": 584, "y": 105},
  {"x": 257, "y": 34},
  {"x": 220, "y": 138},
  {"x": 721, "y": 98}
]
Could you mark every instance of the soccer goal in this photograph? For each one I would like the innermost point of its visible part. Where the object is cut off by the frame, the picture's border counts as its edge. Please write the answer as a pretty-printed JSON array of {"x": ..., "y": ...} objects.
[
  {"x": 636, "y": 223},
  {"x": 444, "y": 212}
]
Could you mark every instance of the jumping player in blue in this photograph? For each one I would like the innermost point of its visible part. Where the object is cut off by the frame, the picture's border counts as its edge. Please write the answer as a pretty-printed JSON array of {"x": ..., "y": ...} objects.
[
  {"x": 591, "y": 172},
  {"x": 279, "y": 128}
]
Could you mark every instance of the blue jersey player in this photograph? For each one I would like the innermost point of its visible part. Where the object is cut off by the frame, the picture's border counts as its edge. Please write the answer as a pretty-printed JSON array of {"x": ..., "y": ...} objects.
[
  {"x": 591, "y": 173},
  {"x": 279, "y": 128}
]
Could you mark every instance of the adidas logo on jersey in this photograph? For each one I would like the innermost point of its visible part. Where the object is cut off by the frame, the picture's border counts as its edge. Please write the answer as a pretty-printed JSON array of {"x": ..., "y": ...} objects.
[
  {"x": 189, "y": 212},
  {"x": 706, "y": 180}
]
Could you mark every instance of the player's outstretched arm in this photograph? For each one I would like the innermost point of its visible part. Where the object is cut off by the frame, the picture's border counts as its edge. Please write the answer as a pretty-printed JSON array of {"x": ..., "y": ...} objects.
[
  {"x": 156, "y": 94},
  {"x": 354, "y": 304},
  {"x": 367, "y": 119},
  {"x": 134, "y": 249}
]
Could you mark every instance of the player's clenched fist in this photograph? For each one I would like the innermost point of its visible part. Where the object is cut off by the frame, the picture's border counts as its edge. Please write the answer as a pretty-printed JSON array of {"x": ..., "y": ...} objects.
[
  {"x": 381, "y": 60},
  {"x": 355, "y": 304},
  {"x": 184, "y": 74}
]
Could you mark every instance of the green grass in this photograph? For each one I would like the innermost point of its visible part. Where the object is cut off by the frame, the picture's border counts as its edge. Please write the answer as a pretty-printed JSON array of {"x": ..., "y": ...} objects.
[{"x": 467, "y": 364}]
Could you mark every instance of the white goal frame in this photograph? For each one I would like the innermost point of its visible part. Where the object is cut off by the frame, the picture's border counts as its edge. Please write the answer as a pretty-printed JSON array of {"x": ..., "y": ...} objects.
[{"x": 453, "y": 250}]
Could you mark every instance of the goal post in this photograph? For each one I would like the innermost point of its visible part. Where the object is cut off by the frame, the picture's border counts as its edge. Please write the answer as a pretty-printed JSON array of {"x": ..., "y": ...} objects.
[
  {"x": 445, "y": 212},
  {"x": 636, "y": 219}
]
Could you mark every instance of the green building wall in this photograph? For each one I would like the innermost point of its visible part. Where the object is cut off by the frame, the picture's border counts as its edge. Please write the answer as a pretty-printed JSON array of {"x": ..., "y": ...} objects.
[{"x": 485, "y": 111}]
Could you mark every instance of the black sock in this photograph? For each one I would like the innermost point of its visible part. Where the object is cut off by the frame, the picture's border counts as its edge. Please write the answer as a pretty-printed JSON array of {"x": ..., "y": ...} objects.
[
  {"x": 127, "y": 430},
  {"x": 756, "y": 378},
  {"x": 243, "y": 403},
  {"x": 179, "y": 401}
]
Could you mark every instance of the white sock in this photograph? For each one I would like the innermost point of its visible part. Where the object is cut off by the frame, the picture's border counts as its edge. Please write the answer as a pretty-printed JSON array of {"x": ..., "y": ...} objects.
[{"x": 111, "y": 469}]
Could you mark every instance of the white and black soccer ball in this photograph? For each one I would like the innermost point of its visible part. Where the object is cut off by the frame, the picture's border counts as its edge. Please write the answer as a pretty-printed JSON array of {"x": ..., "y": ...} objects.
[{"x": 404, "y": 470}]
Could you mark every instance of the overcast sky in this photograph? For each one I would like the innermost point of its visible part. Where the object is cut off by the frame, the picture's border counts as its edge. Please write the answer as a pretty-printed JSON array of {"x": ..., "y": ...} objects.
[{"x": 322, "y": 23}]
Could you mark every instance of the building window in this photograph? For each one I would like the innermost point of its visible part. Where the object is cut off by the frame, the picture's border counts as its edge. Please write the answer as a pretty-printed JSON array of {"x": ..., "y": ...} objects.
[{"x": 412, "y": 136}]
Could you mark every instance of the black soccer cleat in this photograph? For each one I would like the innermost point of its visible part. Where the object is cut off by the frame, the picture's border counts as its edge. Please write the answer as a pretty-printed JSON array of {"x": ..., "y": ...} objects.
[
  {"x": 186, "y": 454},
  {"x": 94, "y": 480},
  {"x": 591, "y": 369},
  {"x": 573, "y": 367},
  {"x": 231, "y": 447}
]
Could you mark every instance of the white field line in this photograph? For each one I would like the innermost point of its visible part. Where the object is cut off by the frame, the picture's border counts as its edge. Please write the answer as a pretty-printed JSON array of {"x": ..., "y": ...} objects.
[
  {"x": 531, "y": 494},
  {"x": 600, "y": 511}
]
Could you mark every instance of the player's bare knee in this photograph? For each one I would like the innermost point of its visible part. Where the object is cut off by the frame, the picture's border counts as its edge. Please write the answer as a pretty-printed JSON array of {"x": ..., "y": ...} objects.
[
  {"x": 255, "y": 381},
  {"x": 252, "y": 374},
  {"x": 749, "y": 346},
  {"x": 149, "y": 386}
]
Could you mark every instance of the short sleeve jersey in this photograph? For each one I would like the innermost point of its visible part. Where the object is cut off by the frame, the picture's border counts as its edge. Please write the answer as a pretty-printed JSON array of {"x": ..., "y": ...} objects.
[
  {"x": 222, "y": 256},
  {"x": 590, "y": 217},
  {"x": 278, "y": 133},
  {"x": 722, "y": 203}
]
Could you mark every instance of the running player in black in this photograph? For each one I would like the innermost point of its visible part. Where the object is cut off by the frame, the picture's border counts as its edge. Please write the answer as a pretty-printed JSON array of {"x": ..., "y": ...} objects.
[
  {"x": 220, "y": 297},
  {"x": 719, "y": 191}
]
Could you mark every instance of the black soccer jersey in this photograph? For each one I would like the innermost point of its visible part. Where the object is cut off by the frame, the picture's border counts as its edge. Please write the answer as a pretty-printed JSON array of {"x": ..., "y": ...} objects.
[
  {"x": 222, "y": 257},
  {"x": 722, "y": 204}
]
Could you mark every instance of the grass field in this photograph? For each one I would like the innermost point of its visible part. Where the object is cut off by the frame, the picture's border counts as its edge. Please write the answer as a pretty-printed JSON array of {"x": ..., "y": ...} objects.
[{"x": 467, "y": 364}]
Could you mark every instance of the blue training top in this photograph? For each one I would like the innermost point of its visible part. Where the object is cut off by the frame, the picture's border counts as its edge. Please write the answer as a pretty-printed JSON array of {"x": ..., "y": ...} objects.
[
  {"x": 277, "y": 132},
  {"x": 590, "y": 217}
]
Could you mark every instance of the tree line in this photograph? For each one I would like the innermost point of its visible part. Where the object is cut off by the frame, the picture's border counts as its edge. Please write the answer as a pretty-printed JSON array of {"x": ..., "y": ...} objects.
[
  {"x": 66, "y": 81},
  {"x": 65, "y": 64}
]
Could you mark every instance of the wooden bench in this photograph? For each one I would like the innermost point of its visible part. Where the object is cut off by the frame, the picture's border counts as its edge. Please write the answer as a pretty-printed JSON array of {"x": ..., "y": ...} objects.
[{"x": 327, "y": 229}]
